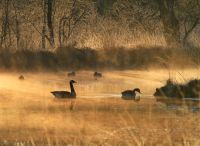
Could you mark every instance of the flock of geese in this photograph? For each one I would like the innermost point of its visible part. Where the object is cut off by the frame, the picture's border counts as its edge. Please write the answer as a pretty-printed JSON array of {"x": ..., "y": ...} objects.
[{"x": 126, "y": 95}]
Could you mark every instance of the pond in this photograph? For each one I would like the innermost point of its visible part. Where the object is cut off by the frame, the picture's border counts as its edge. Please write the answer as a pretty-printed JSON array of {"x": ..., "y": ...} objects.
[{"x": 30, "y": 115}]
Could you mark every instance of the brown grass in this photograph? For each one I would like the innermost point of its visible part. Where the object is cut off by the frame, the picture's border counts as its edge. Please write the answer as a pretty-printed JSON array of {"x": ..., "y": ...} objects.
[{"x": 100, "y": 122}]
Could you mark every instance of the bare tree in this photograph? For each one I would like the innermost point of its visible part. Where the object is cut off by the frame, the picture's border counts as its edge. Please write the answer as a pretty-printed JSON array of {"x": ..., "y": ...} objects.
[
  {"x": 68, "y": 23},
  {"x": 44, "y": 26},
  {"x": 48, "y": 6},
  {"x": 137, "y": 14},
  {"x": 16, "y": 28},
  {"x": 188, "y": 30},
  {"x": 170, "y": 22},
  {"x": 5, "y": 32},
  {"x": 189, "y": 17}
]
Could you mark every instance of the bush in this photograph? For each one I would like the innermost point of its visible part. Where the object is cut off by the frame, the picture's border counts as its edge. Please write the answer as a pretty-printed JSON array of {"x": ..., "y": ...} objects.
[
  {"x": 174, "y": 90},
  {"x": 74, "y": 58}
]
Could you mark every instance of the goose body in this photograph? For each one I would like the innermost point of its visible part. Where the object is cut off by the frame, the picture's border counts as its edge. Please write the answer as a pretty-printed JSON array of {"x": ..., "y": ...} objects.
[
  {"x": 130, "y": 94},
  {"x": 61, "y": 94},
  {"x": 21, "y": 77},
  {"x": 97, "y": 74},
  {"x": 66, "y": 94}
]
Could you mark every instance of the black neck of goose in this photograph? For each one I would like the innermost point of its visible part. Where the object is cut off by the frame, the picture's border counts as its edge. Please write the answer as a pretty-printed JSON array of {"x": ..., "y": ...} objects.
[
  {"x": 72, "y": 88},
  {"x": 135, "y": 90}
]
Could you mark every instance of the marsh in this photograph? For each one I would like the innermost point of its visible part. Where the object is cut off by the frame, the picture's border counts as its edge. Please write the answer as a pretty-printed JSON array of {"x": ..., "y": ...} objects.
[{"x": 30, "y": 114}]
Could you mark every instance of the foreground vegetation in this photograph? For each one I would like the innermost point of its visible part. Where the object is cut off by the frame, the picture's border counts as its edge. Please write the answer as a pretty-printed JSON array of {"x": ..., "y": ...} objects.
[{"x": 100, "y": 122}]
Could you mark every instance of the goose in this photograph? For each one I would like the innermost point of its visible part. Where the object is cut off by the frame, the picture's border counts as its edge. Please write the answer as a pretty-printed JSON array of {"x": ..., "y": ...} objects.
[
  {"x": 130, "y": 94},
  {"x": 66, "y": 94},
  {"x": 21, "y": 77},
  {"x": 71, "y": 74},
  {"x": 97, "y": 74}
]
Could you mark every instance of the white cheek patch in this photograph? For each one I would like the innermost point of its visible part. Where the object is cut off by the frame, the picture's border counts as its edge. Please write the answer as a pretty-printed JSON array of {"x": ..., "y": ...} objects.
[{"x": 137, "y": 95}]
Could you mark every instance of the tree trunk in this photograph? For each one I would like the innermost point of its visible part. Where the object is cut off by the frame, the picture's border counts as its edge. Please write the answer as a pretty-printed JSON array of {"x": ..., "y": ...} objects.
[
  {"x": 44, "y": 26},
  {"x": 170, "y": 22},
  {"x": 188, "y": 31},
  {"x": 17, "y": 25},
  {"x": 50, "y": 21},
  {"x": 5, "y": 25},
  {"x": 17, "y": 32},
  {"x": 60, "y": 32}
]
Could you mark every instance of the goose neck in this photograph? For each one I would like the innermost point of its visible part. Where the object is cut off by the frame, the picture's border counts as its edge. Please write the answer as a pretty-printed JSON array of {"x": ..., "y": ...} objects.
[{"x": 72, "y": 88}]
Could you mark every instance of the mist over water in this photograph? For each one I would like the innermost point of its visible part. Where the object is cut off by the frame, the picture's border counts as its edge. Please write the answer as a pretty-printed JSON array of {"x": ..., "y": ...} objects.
[
  {"x": 28, "y": 106},
  {"x": 37, "y": 86},
  {"x": 152, "y": 45}
]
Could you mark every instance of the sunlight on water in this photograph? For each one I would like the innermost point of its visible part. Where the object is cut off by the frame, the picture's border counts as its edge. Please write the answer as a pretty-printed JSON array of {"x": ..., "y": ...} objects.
[
  {"x": 29, "y": 106},
  {"x": 39, "y": 85}
]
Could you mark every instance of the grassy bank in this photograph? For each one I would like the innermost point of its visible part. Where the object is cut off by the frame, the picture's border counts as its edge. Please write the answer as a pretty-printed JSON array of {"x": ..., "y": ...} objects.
[{"x": 73, "y": 58}]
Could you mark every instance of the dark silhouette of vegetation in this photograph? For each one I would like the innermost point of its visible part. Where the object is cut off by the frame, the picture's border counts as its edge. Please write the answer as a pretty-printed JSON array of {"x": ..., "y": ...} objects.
[
  {"x": 179, "y": 94},
  {"x": 174, "y": 90},
  {"x": 73, "y": 58}
]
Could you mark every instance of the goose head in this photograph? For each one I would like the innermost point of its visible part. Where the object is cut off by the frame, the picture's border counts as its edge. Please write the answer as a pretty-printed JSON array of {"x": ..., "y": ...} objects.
[
  {"x": 137, "y": 90},
  {"x": 72, "y": 82}
]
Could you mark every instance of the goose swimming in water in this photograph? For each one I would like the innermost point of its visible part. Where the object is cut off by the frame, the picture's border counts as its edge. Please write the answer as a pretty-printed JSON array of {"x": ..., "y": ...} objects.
[
  {"x": 66, "y": 94},
  {"x": 21, "y": 77},
  {"x": 130, "y": 94},
  {"x": 97, "y": 75}
]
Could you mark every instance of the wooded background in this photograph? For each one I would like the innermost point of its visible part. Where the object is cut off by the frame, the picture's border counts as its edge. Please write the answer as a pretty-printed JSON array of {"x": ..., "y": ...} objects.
[
  {"x": 76, "y": 34},
  {"x": 49, "y": 24}
]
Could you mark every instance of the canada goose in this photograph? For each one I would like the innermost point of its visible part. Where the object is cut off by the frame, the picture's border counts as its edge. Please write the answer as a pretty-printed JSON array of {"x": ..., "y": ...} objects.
[
  {"x": 66, "y": 94},
  {"x": 97, "y": 74},
  {"x": 130, "y": 94},
  {"x": 71, "y": 74},
  {"x": 21, "y": 77}
]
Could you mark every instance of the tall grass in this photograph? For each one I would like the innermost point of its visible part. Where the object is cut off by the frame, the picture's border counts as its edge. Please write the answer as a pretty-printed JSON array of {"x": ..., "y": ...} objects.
[
  {"x": 108, "y": 33},
  {"x": 106, "y": 122}
]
